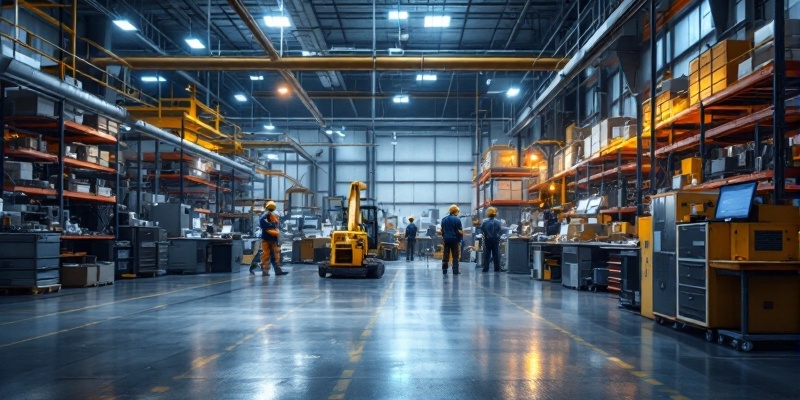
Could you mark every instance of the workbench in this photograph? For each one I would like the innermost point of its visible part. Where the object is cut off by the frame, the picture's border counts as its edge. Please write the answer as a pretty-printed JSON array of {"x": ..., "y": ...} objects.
[{"x": 779, "y": 311}]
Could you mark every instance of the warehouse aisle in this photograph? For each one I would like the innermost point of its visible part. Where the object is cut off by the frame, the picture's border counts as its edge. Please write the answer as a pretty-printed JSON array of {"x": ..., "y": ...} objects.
[{"x": 411, "y": 334}]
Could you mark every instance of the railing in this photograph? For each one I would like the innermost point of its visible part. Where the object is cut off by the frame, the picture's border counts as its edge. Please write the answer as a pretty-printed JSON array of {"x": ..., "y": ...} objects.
[{"x": 62, "y": 63}]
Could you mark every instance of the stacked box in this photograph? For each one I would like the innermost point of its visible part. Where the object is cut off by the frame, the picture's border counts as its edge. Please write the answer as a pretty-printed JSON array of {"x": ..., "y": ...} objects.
[
  {"x": 767, "y": 32},
  {"x": 504, "y": 190},
  {"x": 558, "y": 162},
  {"x": 18, "y": 170},
  {"x": 606, "y": 132},
  {"x": 570, "y": 156},
  {"x": 499, "y": 156},
  {"x": 105, "y": 272},
  {"x": 716, "y": 68},
  {"x": 102, "y": 124}
]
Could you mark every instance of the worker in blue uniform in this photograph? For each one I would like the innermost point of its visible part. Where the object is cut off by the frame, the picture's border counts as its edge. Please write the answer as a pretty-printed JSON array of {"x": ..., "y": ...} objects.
[
  {"x": 451, "y": 236},
  {"x": 411, "y": 239},
  {"x": 491, "y": 230}
]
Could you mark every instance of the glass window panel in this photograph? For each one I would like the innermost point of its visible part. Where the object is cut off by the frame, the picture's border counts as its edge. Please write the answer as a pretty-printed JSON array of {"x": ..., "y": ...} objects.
[
  {"x": 693, "y": 19},
  {"x": 681, "y": 37},
  {"x": 740, "y": 10},
  {"x": 615, "y": 86},
  {"x": 706, "y": 20}
]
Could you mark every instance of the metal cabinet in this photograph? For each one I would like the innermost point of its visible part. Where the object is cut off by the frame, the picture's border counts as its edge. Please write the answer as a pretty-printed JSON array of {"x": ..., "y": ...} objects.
[
  {"x": 29, "y": 259},
  {"x": 187, "y": 256},
  {"x": 226, "y": 256},
  {"x": 144, "y": 252},
  {"x": 578, "y": 262},
  {"x": 517, "y": 256},
  {"x": 667, "y": 210}
]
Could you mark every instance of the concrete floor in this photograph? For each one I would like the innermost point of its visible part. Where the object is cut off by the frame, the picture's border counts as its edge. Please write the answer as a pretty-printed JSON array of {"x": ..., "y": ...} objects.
[{"x": 413, "y": 334}]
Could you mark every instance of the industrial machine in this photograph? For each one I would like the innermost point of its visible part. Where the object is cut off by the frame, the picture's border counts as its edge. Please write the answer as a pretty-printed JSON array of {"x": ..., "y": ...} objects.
[{"x": 350, "y": 249}]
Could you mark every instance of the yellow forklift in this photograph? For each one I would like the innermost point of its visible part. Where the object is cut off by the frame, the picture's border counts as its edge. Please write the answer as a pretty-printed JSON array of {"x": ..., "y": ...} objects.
[{"x": 350, "y": 248}]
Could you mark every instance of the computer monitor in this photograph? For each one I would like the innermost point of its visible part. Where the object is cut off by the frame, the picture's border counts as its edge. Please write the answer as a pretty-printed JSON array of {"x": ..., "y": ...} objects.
[
  {"x": 593, "y": 207},
  {"x": 735, "y": 201},
  {"x": 227, "y": 229},
  {"x": 580, "y": 209}
]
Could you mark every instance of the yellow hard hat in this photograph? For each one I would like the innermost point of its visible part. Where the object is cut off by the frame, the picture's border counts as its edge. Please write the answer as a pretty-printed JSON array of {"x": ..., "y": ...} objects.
[
  {"x": 411, "y": 219},
  {"x": 271, "y": 206},
  {"x": 491, "y": 212},
  {"x": 454, "y": 209}
]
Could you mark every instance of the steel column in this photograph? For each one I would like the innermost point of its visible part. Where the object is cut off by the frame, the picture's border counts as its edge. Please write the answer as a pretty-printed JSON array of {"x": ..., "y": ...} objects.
[
  {"x": 653, "y": 72},
  {"x": 702, "y": 141},
  {"x": 778, "y": 98}
]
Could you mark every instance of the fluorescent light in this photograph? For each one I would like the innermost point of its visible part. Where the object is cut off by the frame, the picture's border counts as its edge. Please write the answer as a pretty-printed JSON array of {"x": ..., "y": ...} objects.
[
  {"x": 328, "y": 132},
  {"x": 307, "y": 53},
  {"x": 256, "y": 78},
  {"x": 400, "y": 98},
  {"x": 195, "y": 43},
  {"x": 426, "y": 77},
  {"x": 396, "y": 50},
  {"x": 340, "y": 133},
  {"x": 283, "y": 90},
  {"x": 269, "y": 127},
  {"x": 512, "y": 92},
  {"x": 398, "y": 15},
  {"x": 437, "y": 21},
  {"x": 153, "y": 79},
  {"x": 124, "y": 24},
  {"x": 240, "y": 97},
  {"x": 272, "y": 156},
  {"x": 277, "y": 21}
]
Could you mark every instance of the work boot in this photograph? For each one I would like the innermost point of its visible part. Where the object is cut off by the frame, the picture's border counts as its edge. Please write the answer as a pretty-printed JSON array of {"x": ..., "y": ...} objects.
[
  {"x": 253, "y": 267},
  {"x": 456, "y": 271},
  {"x": 444, "y": 269},
  {"x": 279, "y": 271},
  {"x": 265, "y": 270}
]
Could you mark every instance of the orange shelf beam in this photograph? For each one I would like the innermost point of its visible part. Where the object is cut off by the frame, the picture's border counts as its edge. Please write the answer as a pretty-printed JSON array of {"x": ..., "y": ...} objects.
[
  {"x": 31, "y": 191},
  {"x": 87, "y": 165},
  {"x": 89, "y": 196},
  {"x": 31, "y": 154}
]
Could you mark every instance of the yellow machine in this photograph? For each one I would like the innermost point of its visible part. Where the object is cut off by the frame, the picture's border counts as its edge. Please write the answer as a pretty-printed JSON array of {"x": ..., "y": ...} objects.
[{"x": 350, "y": 249}]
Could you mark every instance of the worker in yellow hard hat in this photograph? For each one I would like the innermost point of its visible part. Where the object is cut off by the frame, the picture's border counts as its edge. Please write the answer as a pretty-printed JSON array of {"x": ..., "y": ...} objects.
[
  {"x": 270, "y": 251},
  {"x": 411, "y": 239},
  {"x": 491, "y": 231},
  {"x": 451, "y": 235}
]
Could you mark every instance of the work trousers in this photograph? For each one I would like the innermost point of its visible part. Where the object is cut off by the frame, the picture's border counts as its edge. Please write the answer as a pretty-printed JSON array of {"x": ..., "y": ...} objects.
[
  {"x": 491, "y": 252},
  {"x": 451, "y": 249},
  {"x": 411, "y": 247},
  {"x": 270, "y": 249}
]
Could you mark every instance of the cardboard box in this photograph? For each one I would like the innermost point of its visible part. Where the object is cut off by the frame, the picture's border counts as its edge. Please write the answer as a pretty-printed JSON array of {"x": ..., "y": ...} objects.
[
  {"x": 103, "y": 163},
  {"x": 103, "y": 191},
  {"x": 18, "y": 170},
  {"x": 766, "y": 53},
  {"x": 587, "y": 147},
  {"x": 630, "y": 131},
  {"x": 767, "y": 32},
  {"x": 26, "y": 102},
  {"x": 745, "y": 68},
  {"x": 82, "y": 275},
  {"x": 105, "y": 272},
  {"x": 80, "y": 188},
  {"x": 104, "y": 155},
  {"x": 716, "y": 68}
]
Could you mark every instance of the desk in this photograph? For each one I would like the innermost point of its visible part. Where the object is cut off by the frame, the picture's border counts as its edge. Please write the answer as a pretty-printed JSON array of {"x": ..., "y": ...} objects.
[
  {"x": 190, "y": 255},
  {"x": 782, "y": 304}
]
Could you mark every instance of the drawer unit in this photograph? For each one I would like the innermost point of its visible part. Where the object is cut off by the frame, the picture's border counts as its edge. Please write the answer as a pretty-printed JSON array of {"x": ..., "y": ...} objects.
[
  {"x": 29, "y": 245},
  {"x": 692, "y": 304},
  {"x": 29, "y": 263},
  {"x": 692, "y": 241},
  {"x": 692, "y": 273}
]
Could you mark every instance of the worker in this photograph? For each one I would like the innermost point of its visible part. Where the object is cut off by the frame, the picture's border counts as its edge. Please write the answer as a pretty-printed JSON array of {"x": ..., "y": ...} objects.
[
  {"x": 411, "y": 239},
  {"x": 270, "y": 251},
  {"x": 491, "y": 228},
  {"x": 451, "y": 235}
]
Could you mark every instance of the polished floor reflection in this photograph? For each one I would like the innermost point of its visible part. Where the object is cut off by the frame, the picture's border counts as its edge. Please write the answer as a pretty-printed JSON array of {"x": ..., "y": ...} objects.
[{"x": 413, "y": 334}]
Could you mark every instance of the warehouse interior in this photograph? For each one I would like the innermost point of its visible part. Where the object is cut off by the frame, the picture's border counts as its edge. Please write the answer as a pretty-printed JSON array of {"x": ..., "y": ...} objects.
[{"x": 643, "y": 158}]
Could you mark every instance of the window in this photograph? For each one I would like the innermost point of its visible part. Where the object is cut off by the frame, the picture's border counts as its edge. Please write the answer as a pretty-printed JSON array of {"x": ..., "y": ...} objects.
[
  {"x": 694, "y": 26},
  {"x": 706, "y": 20},
  {"x": 741, "y": 10},
  {"x": 615, "y": 89},
  {"x": 589, "y": 105}
]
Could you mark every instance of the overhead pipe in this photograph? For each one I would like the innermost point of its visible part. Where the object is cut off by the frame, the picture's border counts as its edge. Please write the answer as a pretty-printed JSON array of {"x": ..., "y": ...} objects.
[
  {"x": 262, "y": 40},
  {"x": 584, "y": 57},
  {"x": 323, "y": 63},
  {"x": 367, "y": 95},
  {"x": 25, "y": 75}
]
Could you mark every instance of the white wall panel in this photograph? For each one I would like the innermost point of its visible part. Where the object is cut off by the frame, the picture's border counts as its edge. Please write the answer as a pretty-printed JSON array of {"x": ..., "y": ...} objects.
[
  {"x": 384, "y": 173},
  {"x": 413, "y": 149},
  {"x": 351, "y": 173},
  {"x": 453, "y": 149},
  {"x": 354, "y": 153},
  {"x": 414, "y": 173}
]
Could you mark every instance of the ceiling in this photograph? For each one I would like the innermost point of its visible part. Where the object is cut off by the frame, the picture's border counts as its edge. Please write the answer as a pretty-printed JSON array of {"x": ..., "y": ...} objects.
[{"x": 484, "y": 28}]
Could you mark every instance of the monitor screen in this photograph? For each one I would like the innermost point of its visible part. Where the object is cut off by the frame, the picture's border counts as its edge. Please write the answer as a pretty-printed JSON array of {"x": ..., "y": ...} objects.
[
  {"x": 594, "y": 205},
  {"x": 581, "y": 207},
  {"x": 735, "y": 201}
]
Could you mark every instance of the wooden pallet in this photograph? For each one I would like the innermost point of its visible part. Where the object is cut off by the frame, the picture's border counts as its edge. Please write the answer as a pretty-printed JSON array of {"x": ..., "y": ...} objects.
[
  {"x": 105, "y": 283},
  {"x": 17, "y": 290}
]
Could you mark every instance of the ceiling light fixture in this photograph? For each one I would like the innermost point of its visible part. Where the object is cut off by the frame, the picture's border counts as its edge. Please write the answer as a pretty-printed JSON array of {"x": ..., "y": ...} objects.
[
  {"x": 512, "y": 92},
  {"x": 195, "y": 43},
  {"x": 256, "y": 78},
  {"x": 329, "y": 132},
  {"x": 124, "y": 24},
  {"x": 269, "y": 126},
  {"x": 426, "y": 77},
  {"x": 340, "y": 133},
  {"x": 272, "y": 156},
  {"x": 277, "y": 21},
  {"x": 396, "y": 15},
  {"x": 153, "y": 79},
  {"x": 240, "y": 97},
  {"x": 396, "y": 51},
  {"x": 400, "y": 98},
  {"x": 283, "y": 90},
  {"x": 437, "y": 21}
]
